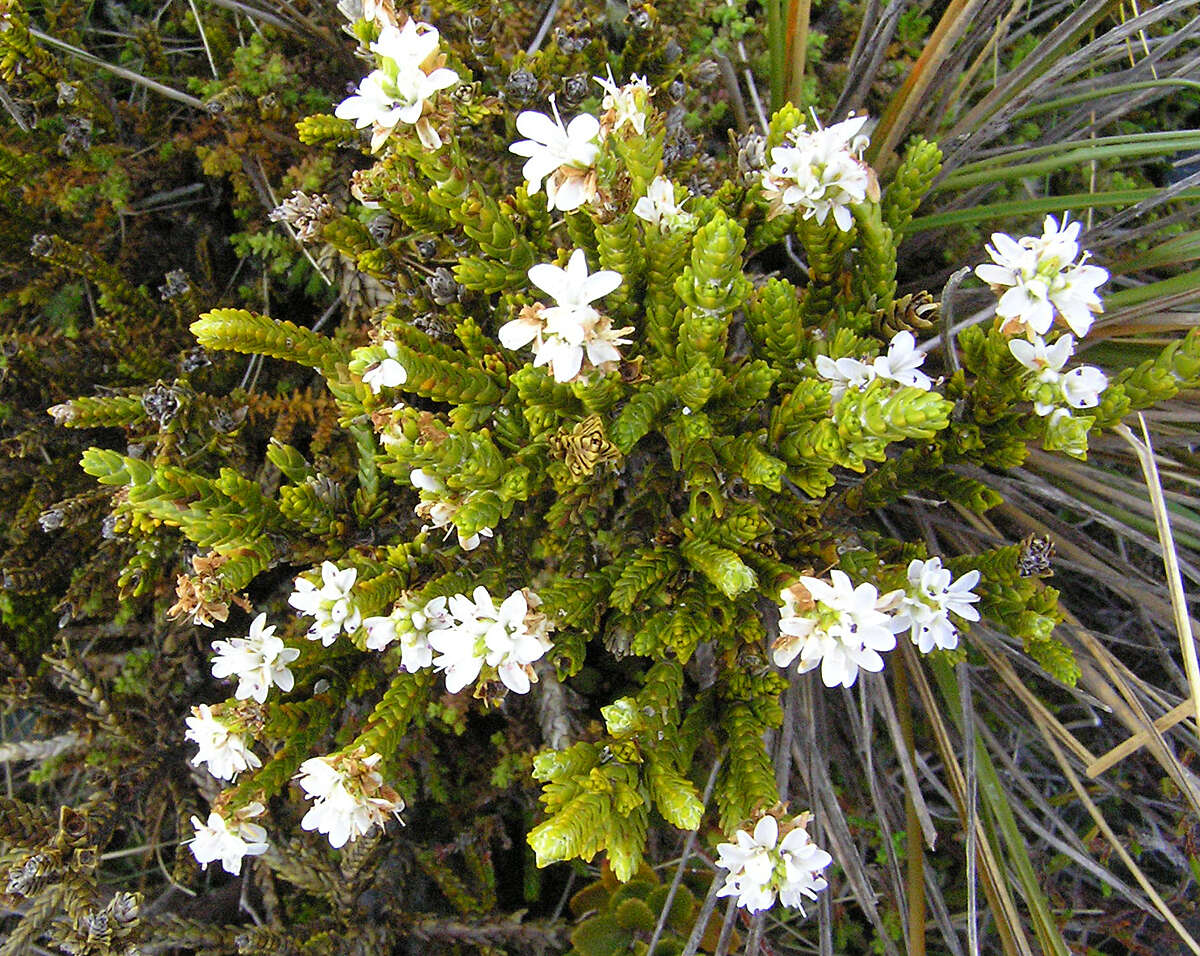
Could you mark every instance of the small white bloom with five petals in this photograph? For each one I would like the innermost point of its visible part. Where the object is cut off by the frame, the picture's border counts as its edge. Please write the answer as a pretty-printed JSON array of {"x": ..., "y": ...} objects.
[
  {"x": 387, "y": 372},
  {"x": 570, "y": 330},
  {"x": 562, "y": 155},
  {"x": 228, "y": 840},
  {"x": 410, "y": 74},
  {"x": 411, "y": 625},
  {"x": 931, "y": 597},
  {"x": 331, "y": 605},
  {"x": 349, "y": 796},
  {"x": 1049, "y": 387},
  {"x": 762, "y": 865},
  {"x": 624, "y": 105},
  {"x": 821, "y": 173},
  {"x": 224, "y": 751},
  {"x": 258, "y": 660},
  {"x": 1038, "y": 277},
  {"x": 508, "y": 639},
  {"x": 659, "y": 208},
  {"x": 902, "y": 363}
]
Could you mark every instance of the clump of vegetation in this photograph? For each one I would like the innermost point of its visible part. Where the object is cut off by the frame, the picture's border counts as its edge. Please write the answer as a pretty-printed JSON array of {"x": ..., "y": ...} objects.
[{"x": 593, "y": 427}]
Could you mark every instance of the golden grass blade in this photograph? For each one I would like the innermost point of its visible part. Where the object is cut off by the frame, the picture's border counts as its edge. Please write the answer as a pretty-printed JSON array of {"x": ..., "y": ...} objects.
[
  {"x": 1119, "y": 696},
  {"x": 799, "y": 12},
  {"x": 1179, "y": 613},
  {"x": 1098, "y": 817},
  {"x": 903, "y": 739},
  {"x": 996, "y": 798},
  {"x": 1177, "y": 714}
]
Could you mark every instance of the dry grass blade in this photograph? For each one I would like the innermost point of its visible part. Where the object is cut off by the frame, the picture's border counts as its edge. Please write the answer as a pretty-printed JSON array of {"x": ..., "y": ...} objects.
[
  {"x": 1171, "y": 561},
  {"x": 883, "y": 703},
  {"x": 893, "y": 124},
  {"x": 813, "y": 763},
  {"x": 1069, "y": 844},
  {"x": 870, "y": 47},
  {"x": 995, "y": 881},
  {"x": 1121, "y": 697},
  {"x": 916, "y": 816},
  {"x": 865, "y": 748},
  {"x": 1015, "y": 685},
  {"x": 1116, "y": 844},
  {"x": 1171, "y": 718},
  {"x": 1059, "y": 57},
  {"x": 153, "y": 85}
]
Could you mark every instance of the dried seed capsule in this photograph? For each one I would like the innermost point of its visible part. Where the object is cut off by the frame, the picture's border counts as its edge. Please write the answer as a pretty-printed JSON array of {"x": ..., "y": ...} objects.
[{"x": 521, "y": 86}]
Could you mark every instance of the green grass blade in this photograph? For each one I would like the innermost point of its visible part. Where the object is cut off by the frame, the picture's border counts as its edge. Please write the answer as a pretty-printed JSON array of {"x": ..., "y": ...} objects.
[
  {"x": 996, "y": 799},
  {"x": 1018, "y": 208},
  {"x": 1009, "y": 166},
  {"x": 1050, "y": 106}
]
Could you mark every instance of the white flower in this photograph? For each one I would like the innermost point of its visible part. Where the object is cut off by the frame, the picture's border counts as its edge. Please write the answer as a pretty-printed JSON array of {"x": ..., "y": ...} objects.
[
  {"x": 564, "y": 156},
  {"x": 902, "y": 362},
  {"x": 821, "y": 172},
  {"x": 624, "y": 104},
  {"x": 751, "y": 865},
  {"x": 439, "y": 508},
  {"x": 1081, "y": 387},
  {"x": 508, "y": 639},
  {"x": 1050, "y": 387},
  {"x": 410, "y": 73},
  {"x": 761, "y": 865},
  {"x": 842, "y": 631},
  {"x": 1037, "y": 276},
  {"x": 411, "y": 625},
  {"x": 929, "y": 600},
  {"x": 562, "y": 334},
  {"x": 386, "y": 373},
  {"x": 658, "y": 207},
  {"x": 332, "y": 604},
  {"x": 803, "y": 861},
  {"x": 349, "y": 796},
  {"x": 224, "y": 751},
  {"x": 228, "y": 841},
  {"x": 258, "y": 660},
  {"x": 845, "y": 373},
  {"x": 512, "y": 644}
]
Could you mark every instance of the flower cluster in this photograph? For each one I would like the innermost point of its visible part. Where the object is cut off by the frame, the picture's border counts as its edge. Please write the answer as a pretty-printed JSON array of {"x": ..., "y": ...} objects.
[
  {"x": 1049, "y": 387},
  {"x": 349, "y": 796},
  {"x": 821, "y": 172},
  {"x": 258, "y": 660},
  {"x": 1038, "y": 277},
  {"x": 901, "y": 364},
  {"x": 924, "y": 607},
  {"x": 410, "y": 623},
  {"x": 835, "y": 625},
  {"x": 331, "y": 605},
  {"x": 410, "y": 72},
  {"x": 623, "y": 105},
  {"x": 438, "y": 507},
  {"x": 563, "y": 155},
  {"x": 659, "y": 208},
  {"x": 761, "y": 865},
  {"x": 564, "y": 333},
  {"x": 221, "y": 748},
  {"x": 508, "y": 639},
  {"x": 229, "y": 840}
]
